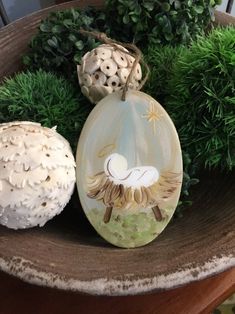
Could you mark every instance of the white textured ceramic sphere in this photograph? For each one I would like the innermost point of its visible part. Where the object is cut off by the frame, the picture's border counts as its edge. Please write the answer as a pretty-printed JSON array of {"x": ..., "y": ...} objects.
[
  {"x": 105, "y": 70},
  {"x": 37, "y": 174}
]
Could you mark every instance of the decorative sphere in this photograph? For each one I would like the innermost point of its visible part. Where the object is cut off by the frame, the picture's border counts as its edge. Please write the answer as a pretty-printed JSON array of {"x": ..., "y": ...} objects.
[
  {"x": 37, "y": 174},
  {"x": 105, "y": 70}
]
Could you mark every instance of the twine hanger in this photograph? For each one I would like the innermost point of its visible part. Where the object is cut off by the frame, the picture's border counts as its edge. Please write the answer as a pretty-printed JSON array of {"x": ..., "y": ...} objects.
[{"x": 133, "y": 51}]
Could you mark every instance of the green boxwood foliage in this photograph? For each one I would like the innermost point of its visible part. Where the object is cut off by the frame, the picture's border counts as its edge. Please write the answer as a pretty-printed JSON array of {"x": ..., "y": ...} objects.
[
  {"x": 42, "y": 97},
  {"x": 191, "y": 172},
  {"x": 163, "y": 21},
  {"x": 160, "y": 60},
  {"x": 58, "y": 46},
  {"x": 202, "y": 99}
]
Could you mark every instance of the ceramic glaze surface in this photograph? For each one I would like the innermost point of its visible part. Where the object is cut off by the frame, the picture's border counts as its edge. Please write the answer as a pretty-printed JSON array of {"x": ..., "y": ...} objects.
[
  {"x": 37, "y": 174},
  {"x": 129, "y": 169}
]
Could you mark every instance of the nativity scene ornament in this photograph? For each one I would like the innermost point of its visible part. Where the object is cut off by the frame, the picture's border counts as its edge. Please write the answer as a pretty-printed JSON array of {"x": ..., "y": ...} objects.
[
  {"x": 123, "y": 188},
  {"x": 129, "y": 165}
]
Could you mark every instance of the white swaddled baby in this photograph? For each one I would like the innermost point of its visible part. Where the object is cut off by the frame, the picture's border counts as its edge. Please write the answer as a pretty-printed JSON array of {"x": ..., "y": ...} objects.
[{"x": 116, "y": 169}]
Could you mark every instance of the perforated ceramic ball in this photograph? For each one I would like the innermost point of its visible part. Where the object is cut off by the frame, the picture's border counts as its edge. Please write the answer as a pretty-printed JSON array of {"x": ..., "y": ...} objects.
[
  {"x": 105, "y": 70},
  {"x": 37, "y": 174}
]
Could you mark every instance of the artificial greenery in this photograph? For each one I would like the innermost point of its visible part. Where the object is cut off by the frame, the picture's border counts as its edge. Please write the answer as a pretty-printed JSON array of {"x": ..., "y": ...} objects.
[
  {"x": 58, "y": 46},
  {"x": 163, "y": 21},
  {"x": 190, "y": 175},
  {"x": 160, "y": 60},
  {"x": 196, "y": 86},
  {"x": 202, "y": 99},
  {"x": 43, "y": 97}
]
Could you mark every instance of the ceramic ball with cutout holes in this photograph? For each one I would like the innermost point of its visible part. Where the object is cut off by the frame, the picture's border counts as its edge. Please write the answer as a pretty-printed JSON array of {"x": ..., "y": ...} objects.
[{"x": 105, "y": 70}]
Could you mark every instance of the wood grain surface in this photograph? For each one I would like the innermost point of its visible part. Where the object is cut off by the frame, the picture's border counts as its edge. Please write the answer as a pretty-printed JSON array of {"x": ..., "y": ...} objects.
[
  {"x": 202, "y": 297},
  {"x": 223, "y": 18},
  {"x": 68, "y": 254}
]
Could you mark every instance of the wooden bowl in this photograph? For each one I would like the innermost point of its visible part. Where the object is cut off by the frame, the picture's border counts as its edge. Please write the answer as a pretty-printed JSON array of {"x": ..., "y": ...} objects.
[{"x": 68, "y": 254}]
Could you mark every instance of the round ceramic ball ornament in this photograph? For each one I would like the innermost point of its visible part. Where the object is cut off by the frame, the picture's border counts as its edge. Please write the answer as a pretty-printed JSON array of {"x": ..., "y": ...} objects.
[
  {"x": 105, "y": 70},
  {"x": 129, "y": 169},
  {"x": 37, "y": 174}
]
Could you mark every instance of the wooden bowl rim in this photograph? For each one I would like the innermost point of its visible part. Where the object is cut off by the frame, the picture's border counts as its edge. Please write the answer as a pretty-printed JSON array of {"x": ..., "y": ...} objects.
[{"x": 123, "y": 287}]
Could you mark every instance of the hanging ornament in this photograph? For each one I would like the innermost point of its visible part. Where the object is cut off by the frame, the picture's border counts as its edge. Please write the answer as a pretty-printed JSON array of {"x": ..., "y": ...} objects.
[
  {"x": 105, "y": 70},
  {"x": 129, "y": 171},
  {"x": 37, "y": 174}
]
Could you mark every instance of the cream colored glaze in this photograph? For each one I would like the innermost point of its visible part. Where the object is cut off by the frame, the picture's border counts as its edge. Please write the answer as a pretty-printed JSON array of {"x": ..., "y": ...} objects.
[{"x": 144, "y": 134}]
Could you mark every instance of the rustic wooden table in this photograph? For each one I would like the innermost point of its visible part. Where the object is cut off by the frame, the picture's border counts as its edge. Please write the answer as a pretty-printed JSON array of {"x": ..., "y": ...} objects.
[{"x": 18, "y": 297}]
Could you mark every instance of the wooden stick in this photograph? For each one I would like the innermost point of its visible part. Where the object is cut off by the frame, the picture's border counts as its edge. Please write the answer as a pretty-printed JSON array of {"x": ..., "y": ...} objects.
[
  {"x": 229, "y": 6},
  {"x": 157, "y": 213},
  {"x": 107, "y": 215}
]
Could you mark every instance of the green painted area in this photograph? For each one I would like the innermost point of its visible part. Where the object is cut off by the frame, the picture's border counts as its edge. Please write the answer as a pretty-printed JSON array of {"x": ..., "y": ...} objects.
[{"x": 127, "y": 230}]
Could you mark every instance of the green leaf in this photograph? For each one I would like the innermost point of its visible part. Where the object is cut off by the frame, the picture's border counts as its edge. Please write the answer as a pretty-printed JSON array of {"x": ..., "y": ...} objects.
[
  {"x": 121, "y": 9},
  {"x": 57, "y": 29},
  {"x": 53, "y": 42},
  {"x": 190, "y": 3},
  {"x": 177, "y": 4},
  {"x": 198, "y": 8},
  {"x": 67, "y": 22},
  {"x": 101, "y": 16},
  {"x": 26, "y": 60},
  {"x": 46, "y": 48},
  {"x": 72, "y": 38},
  {"x": 165, "y": 6},
  {"x": 162, "y": 20},
  {"x": 137, "y": 10},
  {"x": 193, "y": 181},
  {"x": 155, "y": 30},
  {"x": 126, "y": 19},
  {"x": 134, "y": 18},
  {"x": 168, "y": 36},
  {"x": 148, "y": 5},
  {"x": 77, "y": 58},
  {"x": 79, "y": 44},
  {"x": 46, "y": 28},
  {"x": 75, "y": 14},
  {"x": 173, "y": 12},
  {"x": 233, "y": 59}
]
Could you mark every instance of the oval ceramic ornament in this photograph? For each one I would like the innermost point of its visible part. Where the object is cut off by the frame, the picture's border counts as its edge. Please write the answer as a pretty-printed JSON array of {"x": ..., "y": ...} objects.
[{"x": 129, "y": 169}]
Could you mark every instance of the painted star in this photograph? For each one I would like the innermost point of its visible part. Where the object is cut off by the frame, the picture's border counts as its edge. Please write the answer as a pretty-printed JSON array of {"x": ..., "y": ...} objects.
[{"x": 152, "y": 115}]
